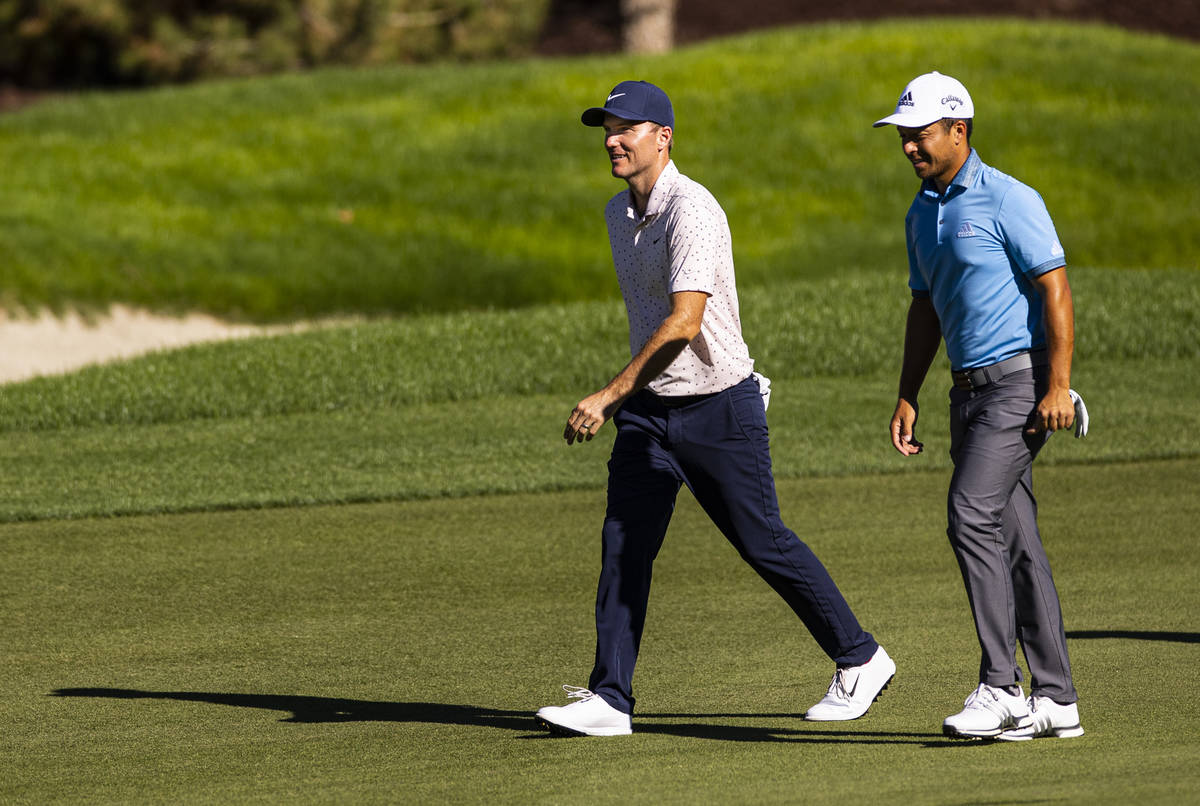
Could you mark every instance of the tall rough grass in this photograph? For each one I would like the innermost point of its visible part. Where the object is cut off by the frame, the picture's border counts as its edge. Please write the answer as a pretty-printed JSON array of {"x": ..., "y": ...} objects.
[{"x": 840, "y": 327}]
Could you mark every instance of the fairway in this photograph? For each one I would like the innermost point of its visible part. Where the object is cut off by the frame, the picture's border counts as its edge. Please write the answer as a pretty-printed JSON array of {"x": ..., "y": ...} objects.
[{"x": 395, "y": 652}]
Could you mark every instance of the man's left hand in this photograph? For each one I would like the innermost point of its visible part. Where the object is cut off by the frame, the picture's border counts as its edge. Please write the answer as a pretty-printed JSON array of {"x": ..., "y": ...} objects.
[{"x": 1055, "y": 412}]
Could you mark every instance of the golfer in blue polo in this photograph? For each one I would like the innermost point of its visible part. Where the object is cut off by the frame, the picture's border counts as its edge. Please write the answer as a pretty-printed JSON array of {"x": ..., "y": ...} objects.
[
  {"x": 688, "y": 409},
  {"x": 988, "y": 275}
]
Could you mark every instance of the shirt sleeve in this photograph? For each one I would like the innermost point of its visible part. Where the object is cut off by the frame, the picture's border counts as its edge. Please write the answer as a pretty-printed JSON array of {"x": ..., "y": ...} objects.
[
  {"x": 699, "y": 242},
  {"x": 1029, "y": 235}
]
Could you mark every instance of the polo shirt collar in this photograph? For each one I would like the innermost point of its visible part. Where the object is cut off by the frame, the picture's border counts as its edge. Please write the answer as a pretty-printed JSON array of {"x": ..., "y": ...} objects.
[
  {"x": 659, "y": 195},
  {"x": 964, "y": 179}
]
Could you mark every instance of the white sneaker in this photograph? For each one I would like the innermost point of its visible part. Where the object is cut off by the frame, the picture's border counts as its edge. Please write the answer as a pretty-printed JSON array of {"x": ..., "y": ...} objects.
[
  {"x": 590, "y": 715},
  {"x": 989, "y": 711},
  {"x": 854, "y": 689},
  {"x": 1049, "y": 719}
]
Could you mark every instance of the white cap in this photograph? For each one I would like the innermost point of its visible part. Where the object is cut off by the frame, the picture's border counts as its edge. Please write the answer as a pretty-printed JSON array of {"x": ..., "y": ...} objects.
[{"x": 929, "y": 98}]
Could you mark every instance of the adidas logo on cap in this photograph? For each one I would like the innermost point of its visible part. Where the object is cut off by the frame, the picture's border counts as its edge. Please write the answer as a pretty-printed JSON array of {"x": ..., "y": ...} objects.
[{"x": 906, "y": 100}]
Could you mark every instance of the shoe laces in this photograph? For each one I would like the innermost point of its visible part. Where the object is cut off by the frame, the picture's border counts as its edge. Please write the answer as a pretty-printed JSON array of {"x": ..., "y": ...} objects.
[
  {"x": 974, "y": 699},
  {"x": 837, "y": 686},
  {"x": 1042, "y": 717},
  {"x": 985, "y": 698},
  {"x": 578, "y": 693}
]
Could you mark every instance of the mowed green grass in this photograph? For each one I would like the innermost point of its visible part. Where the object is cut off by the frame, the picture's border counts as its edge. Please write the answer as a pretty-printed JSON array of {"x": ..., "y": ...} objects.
[
  {"x": 288, "y": 650},
  {"x": 346, "y": 565},
  {"x": 442, "y": 187},
  {"x": 394, "y": 652}
]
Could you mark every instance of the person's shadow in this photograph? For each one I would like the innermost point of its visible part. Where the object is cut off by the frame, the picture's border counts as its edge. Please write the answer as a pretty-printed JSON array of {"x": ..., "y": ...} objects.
[
  {"x": 1137, "y": 635},
  {"x": 331, "y": 709},
  {"x": 698, "y": 726}
]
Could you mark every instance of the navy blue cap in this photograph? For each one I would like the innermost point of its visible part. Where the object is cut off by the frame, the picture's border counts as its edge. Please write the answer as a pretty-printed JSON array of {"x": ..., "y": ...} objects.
[{"x": 633, "y": 100}]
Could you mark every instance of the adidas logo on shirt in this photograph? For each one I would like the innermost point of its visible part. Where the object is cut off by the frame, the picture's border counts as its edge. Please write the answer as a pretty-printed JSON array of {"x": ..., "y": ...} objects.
[
  {"x": 966, "y": 231},
  {"x": 906, "y": 100}
]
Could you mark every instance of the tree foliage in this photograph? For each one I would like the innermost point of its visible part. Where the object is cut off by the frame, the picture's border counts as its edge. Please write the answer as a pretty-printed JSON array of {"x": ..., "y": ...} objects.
[{"x": 74, "y": 43}]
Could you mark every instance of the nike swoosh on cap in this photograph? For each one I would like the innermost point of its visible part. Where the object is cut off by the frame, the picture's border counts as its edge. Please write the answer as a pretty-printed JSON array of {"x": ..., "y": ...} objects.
[{"x": 609, "y": 98}]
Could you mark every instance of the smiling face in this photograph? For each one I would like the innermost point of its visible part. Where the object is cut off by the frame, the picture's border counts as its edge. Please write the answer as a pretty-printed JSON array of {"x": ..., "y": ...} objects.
[
  {"x": 936, "y": 151},
  {"x": 636, "y": 149}
]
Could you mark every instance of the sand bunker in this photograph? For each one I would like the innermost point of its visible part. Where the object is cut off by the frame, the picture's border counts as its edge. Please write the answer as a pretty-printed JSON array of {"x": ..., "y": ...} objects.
[{"x": 50, "y": 345}]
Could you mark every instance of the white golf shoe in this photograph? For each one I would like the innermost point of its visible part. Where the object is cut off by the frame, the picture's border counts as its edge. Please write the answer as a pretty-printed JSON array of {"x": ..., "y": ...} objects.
[
  {"x": 853, "y": 689},
  {"x": 989, "y": 712},
  {"x": 589, "y": 715},
  {"x": 1049, "y": 720}
]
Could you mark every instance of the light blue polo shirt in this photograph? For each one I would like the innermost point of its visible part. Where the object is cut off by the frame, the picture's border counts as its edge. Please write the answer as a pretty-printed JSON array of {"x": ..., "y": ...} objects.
[{"x": 973, "y": 251}]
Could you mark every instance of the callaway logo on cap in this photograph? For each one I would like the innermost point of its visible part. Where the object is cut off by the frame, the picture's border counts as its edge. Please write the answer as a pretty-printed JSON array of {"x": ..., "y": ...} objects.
[
  {"x": 633, "y": 100},
  {"x": 930, "y": 97}
]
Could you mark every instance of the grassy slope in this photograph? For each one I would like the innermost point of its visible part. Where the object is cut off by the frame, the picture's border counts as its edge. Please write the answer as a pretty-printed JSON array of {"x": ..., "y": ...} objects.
[{"x": 434, "y": 188}]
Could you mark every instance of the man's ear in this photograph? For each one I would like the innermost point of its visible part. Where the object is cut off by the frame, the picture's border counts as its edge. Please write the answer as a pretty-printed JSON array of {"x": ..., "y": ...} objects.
[
  {"x": 665, "y": 133},
  {"x": 960, "y": 131}
]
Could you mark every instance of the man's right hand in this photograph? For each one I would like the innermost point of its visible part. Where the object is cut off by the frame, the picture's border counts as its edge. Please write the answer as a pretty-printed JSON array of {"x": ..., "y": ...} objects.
[
  {"x": 904, "y": 422},
  {"x": 589, "y": 414}
]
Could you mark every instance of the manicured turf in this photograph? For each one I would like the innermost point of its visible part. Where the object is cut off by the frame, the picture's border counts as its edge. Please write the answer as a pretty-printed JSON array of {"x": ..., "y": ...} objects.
[{"x": 394, "y": 652}]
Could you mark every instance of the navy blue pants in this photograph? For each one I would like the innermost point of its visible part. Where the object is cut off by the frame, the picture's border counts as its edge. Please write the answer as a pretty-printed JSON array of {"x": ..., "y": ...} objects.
[{"x": 717, "y": 447}]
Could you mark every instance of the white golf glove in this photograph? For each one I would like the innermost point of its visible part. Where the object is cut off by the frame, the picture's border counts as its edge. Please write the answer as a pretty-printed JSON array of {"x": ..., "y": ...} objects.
[
  {"x": 1081, "y": 415},
  {"x": 764, "y": 388}
]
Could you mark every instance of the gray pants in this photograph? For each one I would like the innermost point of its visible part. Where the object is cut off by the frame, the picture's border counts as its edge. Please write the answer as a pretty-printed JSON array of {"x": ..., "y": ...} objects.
[{"x": 993, "y": 529}]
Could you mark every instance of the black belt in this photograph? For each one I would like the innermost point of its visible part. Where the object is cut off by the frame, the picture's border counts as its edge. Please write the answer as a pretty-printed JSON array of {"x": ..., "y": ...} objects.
[{"x": 982, "y": 376}]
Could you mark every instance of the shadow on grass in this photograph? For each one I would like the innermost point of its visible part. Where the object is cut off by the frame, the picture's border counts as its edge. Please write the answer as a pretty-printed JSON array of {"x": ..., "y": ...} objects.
[
  {"x": 757, "y": 733},
  {"x": 1138, "y": 635},
  {"x": 331, "y": 709}
]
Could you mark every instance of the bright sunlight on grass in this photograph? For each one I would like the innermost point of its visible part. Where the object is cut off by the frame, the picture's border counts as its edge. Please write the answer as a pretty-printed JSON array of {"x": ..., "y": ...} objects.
[
  {"x": 436, "y": 188},
  {"x": 346, "y": 565}
]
